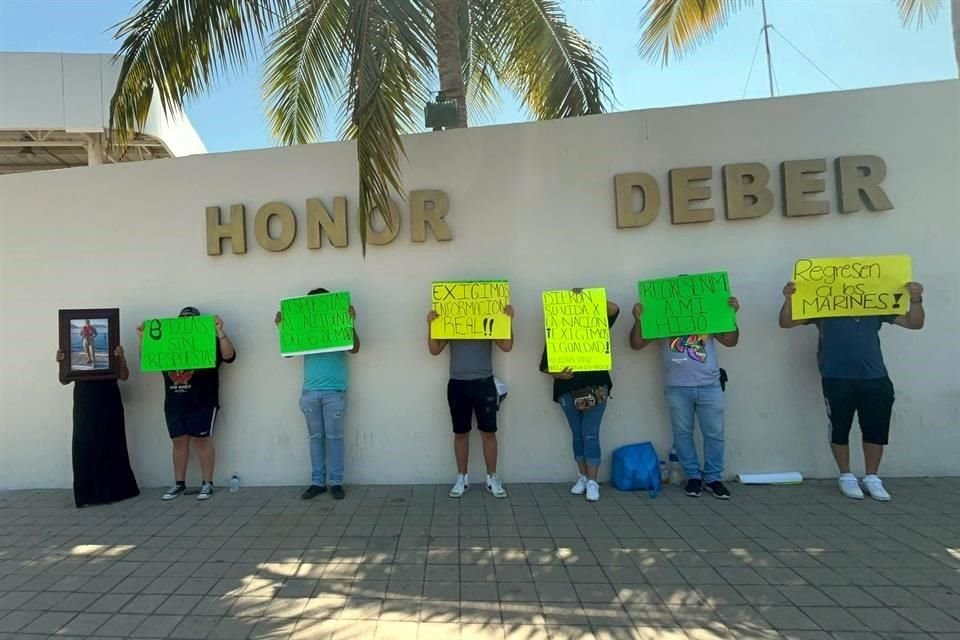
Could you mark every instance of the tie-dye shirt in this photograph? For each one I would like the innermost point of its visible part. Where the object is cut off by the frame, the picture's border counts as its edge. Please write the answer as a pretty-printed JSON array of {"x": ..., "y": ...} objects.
[{"x": 690, "y": 361}]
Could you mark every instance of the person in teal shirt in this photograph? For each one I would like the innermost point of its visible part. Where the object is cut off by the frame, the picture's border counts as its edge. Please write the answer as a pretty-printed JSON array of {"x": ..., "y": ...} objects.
[{"x": 324, "y": 405}]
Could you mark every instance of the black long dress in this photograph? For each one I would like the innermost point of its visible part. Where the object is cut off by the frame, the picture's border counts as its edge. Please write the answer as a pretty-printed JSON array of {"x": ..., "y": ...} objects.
[{"x": 101, "y": 465}]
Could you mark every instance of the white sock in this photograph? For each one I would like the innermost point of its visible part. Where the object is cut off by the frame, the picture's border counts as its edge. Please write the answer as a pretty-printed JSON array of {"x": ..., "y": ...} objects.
[{"x": 847, "y": 475}]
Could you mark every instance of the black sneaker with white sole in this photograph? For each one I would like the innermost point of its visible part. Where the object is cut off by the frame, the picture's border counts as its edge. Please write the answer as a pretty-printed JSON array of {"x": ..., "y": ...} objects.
[
  {"x": 694, "y": 487},
  {"x": 719, "y": 491},
  {"x": 206, "y": 490},
  {"x": 175, "y": 491}
]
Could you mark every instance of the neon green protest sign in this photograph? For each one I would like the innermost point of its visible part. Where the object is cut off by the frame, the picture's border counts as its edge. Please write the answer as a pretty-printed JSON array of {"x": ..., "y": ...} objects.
[
  {"x": 179, "y": 344},
  {"x": 319, "y": 323}
]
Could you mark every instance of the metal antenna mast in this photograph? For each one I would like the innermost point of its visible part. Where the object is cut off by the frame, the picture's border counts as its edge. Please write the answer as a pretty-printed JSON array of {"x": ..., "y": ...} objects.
[{"x": 766, "y": 37}]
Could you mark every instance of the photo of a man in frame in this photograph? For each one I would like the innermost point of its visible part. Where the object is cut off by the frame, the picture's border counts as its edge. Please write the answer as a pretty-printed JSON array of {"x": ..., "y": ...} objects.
[{"x": 89, "y": 344}]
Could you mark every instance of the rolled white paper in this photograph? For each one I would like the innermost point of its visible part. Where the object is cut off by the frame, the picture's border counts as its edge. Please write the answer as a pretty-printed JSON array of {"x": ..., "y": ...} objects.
[{"x": 784, "y": 477}]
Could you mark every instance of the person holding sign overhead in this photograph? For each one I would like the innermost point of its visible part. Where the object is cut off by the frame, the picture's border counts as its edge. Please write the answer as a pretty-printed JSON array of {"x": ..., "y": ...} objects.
[
  {"x": 583, "y": 397},
  {"x": 192, "y": 397},
  {"x": 323, "y": 399},
  {"x": 854, "y": 380},
  {"x": 471, "y": 390},
  {"x": 692, "y": 374}
]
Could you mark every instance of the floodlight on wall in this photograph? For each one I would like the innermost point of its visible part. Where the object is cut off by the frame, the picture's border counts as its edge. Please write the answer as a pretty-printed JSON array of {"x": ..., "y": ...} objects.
[{"x": 440, "y": 114}]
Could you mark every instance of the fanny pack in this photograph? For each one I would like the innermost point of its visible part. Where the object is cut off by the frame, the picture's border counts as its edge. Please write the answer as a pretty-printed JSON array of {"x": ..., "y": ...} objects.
[{"x": 589, "y": 397}]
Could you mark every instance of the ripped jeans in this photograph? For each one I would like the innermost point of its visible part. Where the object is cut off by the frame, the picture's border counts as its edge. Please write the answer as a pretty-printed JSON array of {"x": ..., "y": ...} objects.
[
  {"x": 325, "y": 412},
  {"x": 585, "y": 429}
]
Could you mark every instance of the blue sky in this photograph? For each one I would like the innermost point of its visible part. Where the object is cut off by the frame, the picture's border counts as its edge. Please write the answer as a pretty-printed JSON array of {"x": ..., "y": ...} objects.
[{"x": 858, "y": 43}]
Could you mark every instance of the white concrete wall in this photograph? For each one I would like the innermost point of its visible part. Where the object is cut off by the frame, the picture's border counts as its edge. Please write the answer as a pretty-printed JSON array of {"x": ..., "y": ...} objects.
[
  {"x": 71, "y": 92},
  {"x": 533, "y": 203}
]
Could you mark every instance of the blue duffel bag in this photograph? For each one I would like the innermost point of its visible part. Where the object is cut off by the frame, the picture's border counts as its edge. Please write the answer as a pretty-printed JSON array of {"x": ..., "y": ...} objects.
[{"x": 636, "y": 467}]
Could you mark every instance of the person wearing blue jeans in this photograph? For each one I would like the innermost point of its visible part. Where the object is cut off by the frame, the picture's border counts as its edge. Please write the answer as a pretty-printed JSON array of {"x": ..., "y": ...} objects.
[
  {"x": 590, "y": 390},
  {"x": 324, "y": 405},
  {"x": 693, "y": 391}
]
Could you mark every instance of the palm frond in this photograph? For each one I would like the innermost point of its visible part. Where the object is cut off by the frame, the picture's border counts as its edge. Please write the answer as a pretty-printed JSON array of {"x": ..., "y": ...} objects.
[
  {"x": 179, "y": 48},
  {"x": 305, "y": 71},
  {"x": 915, "y": 12},
  {"x": 676, "y": 27},
  {"x": 481, "y": 48},
  {"x": 390, "y": 64},
  {"x": 556, "y": 71}
]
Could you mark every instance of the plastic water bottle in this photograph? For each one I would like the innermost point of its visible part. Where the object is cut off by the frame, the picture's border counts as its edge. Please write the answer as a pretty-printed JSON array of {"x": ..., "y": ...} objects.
[
  {"x": 676, "y": 471},
  {"x": 234, "y": 483},
  {"x": 664, "y": 472}
]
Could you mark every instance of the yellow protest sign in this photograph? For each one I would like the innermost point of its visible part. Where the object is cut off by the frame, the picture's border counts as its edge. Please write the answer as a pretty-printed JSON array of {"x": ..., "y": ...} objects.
[
  {"x": 578, "y": 333},
  {"x": 860, "y": 286},
  {"x": 471, "y": 310}
]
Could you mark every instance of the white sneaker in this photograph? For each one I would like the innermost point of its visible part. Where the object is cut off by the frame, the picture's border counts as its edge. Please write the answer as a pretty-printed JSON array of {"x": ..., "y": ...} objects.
[
  {"x": 460, "y": 487},
  {"x": 206, "y": 490},
  {"x": 874, "y": 486},
  {"x": 495, "y": 487},
  {"x": 593, "y": 491},
  {"x": 850, "y": 487},
  {"x": 580, "y": 488}
]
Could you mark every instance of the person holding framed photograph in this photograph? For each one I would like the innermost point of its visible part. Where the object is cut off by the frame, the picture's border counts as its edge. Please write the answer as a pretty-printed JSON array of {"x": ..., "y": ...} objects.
[{"x": 101, "y": 463}]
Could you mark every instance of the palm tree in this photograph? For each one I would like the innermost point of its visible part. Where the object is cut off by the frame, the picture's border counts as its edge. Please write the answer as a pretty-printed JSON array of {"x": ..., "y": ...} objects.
[
  {"x": 371, "y": 64},
  {"x": 675, "y": 27}
]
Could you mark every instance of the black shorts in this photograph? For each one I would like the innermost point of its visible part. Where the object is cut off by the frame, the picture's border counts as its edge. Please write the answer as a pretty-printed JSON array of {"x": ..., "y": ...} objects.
[
  {"x": 196, "y": 423},
  {"x": 473, "y": 397},
  {"x": 871, "y": 400}
]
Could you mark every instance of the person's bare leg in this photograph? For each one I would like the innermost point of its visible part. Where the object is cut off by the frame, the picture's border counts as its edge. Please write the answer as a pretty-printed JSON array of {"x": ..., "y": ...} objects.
[
  {"x": 591, "y": 471},
  {"x": 841, "y": 453},
  {"x": 207, "y": 454},
  {"x": 582, "y": 466},
  {"x": 181, "y": 453},
  {"x": 461, "y": 449},
  {"x": 872, "y": 453},
  {"x": 489, "y": 451}
]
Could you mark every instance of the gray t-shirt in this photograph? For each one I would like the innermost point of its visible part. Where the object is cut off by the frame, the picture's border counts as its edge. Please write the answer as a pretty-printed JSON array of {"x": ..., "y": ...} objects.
[
  {"x": 471, "y": 359},
  {"x": 690, "y": 361}
]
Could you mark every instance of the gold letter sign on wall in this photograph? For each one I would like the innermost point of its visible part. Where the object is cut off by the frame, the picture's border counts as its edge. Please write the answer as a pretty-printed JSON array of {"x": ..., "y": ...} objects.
[
  {"x": 745, "y": 189},
  {"x": 235, "y": 230},
  {"x": 682, "y": 193},
  {"x": 862, "y": 175},
  {"x": 288, "y": 226},
  {"x": 428, "y": 207},
  {"x": 623, "y": 186},
  {"x": 797, "y": 185},
  {"x": 319, "y": 218}
]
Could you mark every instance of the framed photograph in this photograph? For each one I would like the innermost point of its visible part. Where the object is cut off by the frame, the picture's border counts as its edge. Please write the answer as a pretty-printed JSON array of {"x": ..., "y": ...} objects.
[{"x": 88, "y": 338}]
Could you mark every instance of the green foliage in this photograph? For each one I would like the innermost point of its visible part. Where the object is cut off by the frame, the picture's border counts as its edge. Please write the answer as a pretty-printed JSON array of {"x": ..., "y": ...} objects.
[{"x": 372, "y": 63}]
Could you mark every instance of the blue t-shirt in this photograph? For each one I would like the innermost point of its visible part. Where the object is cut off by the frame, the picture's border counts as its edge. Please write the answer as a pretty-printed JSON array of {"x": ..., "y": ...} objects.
[
  {"x": 690, "y": 361},
  {"x": 850, "y": 347},
  {"x": 325, "y": 371}
]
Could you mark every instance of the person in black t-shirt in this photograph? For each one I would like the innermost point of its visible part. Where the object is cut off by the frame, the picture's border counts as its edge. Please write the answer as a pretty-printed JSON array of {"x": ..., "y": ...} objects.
[
  {"x": 191, "y": 402},
  {"x": 586, "y": 388}
]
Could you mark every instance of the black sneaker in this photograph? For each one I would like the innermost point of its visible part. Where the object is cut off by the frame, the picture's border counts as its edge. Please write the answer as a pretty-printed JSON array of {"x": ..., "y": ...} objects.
[
  {"x": 312, "y": 492},
  {"x": 175, "y": 491},
  {"x": 337, "y": 492},
  {"x": 206, "y": 490},
  {"x": 719, "y": 491},
  {"x": 694, "y": 487}
]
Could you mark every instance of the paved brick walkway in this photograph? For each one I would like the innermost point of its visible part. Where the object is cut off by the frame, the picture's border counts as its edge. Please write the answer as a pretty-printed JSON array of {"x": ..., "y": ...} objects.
[{"x": 407, "y": 562}]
